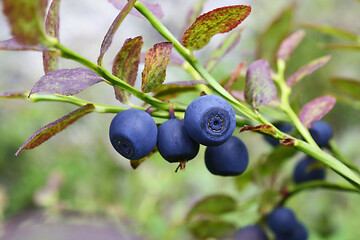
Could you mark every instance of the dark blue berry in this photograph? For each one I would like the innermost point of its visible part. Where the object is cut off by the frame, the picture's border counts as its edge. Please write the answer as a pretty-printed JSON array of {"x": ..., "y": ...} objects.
[
  {"x": 174, "y": 144},
  {"x": 308, "y": 169},
  {"x": 254, "y": 232},
  {"x": 321, "y": 133},
  {"x": 299, "y": 233},
  {"x": 133, "y": 133},
  {"x": 228, "y": 159},
  {"x": 210, "y": 120},
  {"x": 284, "y": 127},
  {"x": 281, "y": 221}
]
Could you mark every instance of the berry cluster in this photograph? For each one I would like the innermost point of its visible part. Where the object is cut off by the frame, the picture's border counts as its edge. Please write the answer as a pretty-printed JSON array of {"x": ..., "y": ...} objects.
[{"x": 209, "y": 120}]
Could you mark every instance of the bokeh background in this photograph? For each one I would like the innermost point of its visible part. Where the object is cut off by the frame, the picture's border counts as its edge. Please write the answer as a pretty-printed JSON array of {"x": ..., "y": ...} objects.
[{"x": 77, "y": 184}]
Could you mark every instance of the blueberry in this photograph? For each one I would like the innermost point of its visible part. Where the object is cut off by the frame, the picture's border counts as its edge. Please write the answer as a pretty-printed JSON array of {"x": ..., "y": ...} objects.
[
  {"x": 133, "y": 133},
  {"x": 254, "y": 232},
  {"x": 228, "y": 159},
  {"x": 321, "y": 133},
  {"x": 284, "y": 127},
  {"x": 210, "y": 120},
  {"x": 307, "y": 170},
  {"x": 281, "y": 221},
  {"x": 174, "y": 144},
  {"x": 299, "y": 233}
]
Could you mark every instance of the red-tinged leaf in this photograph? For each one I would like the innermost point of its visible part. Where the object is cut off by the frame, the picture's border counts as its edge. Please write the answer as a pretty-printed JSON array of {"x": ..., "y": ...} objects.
[
  {"x": 26, "y": 19},
  {"x": 50, "y": 60},
  {"x": 288, "y": 142},
  {"x": 350, "y": 87},
  {"x": 13, "y": 45},
  {"x": 316, "y": 109},
  {"x": 264, "y": 128},
  {"x": 156, "y": 61},
  {"x": 17, "y": 94},
  {"x": 332, "y": 31},
  {"x": 259, "y": 86},
  {"x": 174, "y": 89},
  {"x": 239, "y": 95},
  {"x": 234, "y": 76},
  {"x": 153, "y": 8},
  {"x": 55, "y": 127},
  {"x": 270, "y": 40},
  {"x": 228, "y": 44},
  {"x": 126, "y": 64},
  {"x": 288, "y": 46},
  {"x": 113, "y": 28},
  {"x": 220, "y": 20},
  {"x": 66, "y": 81},
  {"x": 307, "y": 70}
]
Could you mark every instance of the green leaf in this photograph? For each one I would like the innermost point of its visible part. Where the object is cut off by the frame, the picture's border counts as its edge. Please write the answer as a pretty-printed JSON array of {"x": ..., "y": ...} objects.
[
  {"x": 126, "y": 64},
  {"x": 156, "y": 61},
  {"x": 26, "y": 18},
  {"x": 332, "y": 31},
  {"x": 348, "y": 47},
  {"x": 220, "y": 20},
  {"x": 316, "y": 109},
  {"x": 213, "y": 205},
  {"x": 224, "y": 48},
  {"x": 271, "y": 38},
  {"x": 350, "y": 87},
  {"x": 50, "y": 60},
  {"x": 55, "y": 127},
  {"x": 174, "y": 89},
  {"x": 307, "y": 70},
  {"x": 218, "y": 229},
  {"x": 275, "y": 159},
  {"x": 259, "y": 87},
  {"x": 288, "y": 46}
]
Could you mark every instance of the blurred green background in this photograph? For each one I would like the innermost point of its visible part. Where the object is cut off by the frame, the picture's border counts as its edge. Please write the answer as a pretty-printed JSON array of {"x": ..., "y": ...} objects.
[{"x": 78, "y": 171}]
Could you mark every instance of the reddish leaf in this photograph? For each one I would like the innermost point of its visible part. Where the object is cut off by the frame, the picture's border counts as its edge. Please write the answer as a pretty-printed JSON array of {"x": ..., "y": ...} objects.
[
  {"x": 126, "y": 63},
  {"x": 259, "y": 86},
  {"x": 50, "y": 60},
  {"x": 114, "y": 26},
  {"x": 55, "y": 127},
  {"x": 26, "y": 20},
  {"x": 307, "y": 70},
  {"x": 13, "y": 45},
  {"x": 316, "y": 109},
  {"x": 224, "y": 48},
  {"x": 154, "y": 8},
  {"x": 66, "y": 81},
  {"x": 234, "y": 76},
  {"x": 156, "y": 61},
  {"x": 174, "y": 89},
  {"x": 264, "y": 128},
  {"x": 288, "y": 46},
  {"x": 220, "y": 20},
  {"x": 349, "y": 47}
]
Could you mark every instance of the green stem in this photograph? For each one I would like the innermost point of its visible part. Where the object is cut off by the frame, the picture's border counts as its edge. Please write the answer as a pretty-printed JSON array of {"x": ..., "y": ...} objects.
[
  {"x": 113, "y": 80},
  {"x": 298, "y": 188},
  {"x": 285, "y": 104},
  {"x": 329, "y": 160},
  {"x": 341, "y": 156}
]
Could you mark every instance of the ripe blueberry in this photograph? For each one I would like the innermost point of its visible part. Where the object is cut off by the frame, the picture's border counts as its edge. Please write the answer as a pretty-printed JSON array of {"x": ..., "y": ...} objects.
[
  {"x": 299, "y": 233},
  {"x": 229, "y": 159},
  {"x": 210, "y": 120},
  {"x": 281, "y": 221},
  {"x": 307, "y": 169},
  {"x": 133, "y": 133},
  {"x": 254, "y": 232},
  {"x": 321, "y": 132},
  {"x": 284, "y": 127},
  {"x": 174, "y": 144}
]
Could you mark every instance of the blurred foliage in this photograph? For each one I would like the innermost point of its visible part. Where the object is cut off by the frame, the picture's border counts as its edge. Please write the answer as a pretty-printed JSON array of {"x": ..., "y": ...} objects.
[{"x": 152, "y": 201}]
